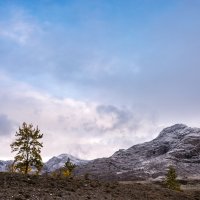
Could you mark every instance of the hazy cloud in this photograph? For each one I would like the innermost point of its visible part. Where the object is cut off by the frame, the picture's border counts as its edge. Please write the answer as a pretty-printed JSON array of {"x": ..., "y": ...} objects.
[
  {"x": 120, "y": 116},
  {"x": 6, "y": 125},
  {"x": 68, "y": 123},
  {"x": 162, "y": 75}
]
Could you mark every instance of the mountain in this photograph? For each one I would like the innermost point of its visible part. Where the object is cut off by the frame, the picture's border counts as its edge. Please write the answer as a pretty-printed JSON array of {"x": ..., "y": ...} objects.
[
  {"x": 59, "y": 161},
  {"x": 178, "y": 145},
  {"x": 52, "y": 164},
  {"x": 4, "y": 165}
]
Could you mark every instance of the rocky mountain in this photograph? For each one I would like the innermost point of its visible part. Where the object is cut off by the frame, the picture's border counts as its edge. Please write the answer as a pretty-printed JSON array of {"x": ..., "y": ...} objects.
[
  {"x": 177, "y": 145},
  {"x": 59, "y": 161}
]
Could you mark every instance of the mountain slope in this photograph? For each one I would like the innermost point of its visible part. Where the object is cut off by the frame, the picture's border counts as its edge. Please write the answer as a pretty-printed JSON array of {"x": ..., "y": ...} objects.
[{"x": 177, "y": 145}]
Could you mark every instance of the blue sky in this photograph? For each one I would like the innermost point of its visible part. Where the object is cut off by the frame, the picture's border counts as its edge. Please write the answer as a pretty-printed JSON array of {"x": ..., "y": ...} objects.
[{"x": 106, "y": 74}]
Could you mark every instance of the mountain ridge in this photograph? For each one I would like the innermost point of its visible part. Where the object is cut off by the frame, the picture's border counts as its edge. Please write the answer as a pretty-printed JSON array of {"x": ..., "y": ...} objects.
[
  {"x": 52, "y": 164},
  {"x": 177, "y": 145}
]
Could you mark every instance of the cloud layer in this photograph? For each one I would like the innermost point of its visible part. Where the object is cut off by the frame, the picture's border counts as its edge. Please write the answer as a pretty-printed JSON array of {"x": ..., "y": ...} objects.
[
  {"x": 6, "y": 125},
  {"x": 85, "y": 129},
  {"x": 98, "y": 77}
]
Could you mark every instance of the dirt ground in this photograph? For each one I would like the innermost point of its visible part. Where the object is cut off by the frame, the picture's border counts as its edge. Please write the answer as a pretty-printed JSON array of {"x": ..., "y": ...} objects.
[{"x": 21, "y": 187}]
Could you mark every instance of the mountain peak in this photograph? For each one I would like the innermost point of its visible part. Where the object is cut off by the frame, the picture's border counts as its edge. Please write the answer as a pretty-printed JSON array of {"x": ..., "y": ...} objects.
[
  {"x": 176, "y": 127},
  {"x": 175, "y": 130},
  {"x": 65, "y": 155},
  {"x": 59, "y": 161}
]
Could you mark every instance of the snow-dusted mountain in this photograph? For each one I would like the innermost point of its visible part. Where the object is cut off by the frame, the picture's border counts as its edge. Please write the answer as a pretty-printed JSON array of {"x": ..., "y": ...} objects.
[
  {"x": 177, "y": 145},
  {"x": 52, "y": 164},
  {"x": 4, "y": 165},
  {"x": 59, "y": 161}
]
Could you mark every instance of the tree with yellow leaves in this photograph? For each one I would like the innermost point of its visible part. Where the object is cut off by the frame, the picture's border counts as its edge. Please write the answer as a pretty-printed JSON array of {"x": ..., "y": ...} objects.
[
  {"x": 68, "y": 168},
  {"x": 28, "y": 149}
]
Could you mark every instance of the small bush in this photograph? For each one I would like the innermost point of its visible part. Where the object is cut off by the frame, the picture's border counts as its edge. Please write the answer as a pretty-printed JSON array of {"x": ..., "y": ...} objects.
[
  {"x": 86, "y": 176},
  {"x": 68, "y": 168}
]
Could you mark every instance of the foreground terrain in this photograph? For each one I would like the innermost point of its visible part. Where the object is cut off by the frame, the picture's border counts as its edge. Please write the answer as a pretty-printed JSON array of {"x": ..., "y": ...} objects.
[{"x": 21, "y": 187}]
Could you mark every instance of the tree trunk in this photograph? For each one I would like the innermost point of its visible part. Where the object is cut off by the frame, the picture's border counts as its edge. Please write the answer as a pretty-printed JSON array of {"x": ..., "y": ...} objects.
[{"x": 26, "y": 169}]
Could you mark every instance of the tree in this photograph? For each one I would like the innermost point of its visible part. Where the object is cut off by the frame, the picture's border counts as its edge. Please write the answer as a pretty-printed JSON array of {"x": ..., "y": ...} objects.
[
  {"x": 68, "y": 168},
  {"x": 28, "y": 149},
  {"x": 171, "y": 181}
]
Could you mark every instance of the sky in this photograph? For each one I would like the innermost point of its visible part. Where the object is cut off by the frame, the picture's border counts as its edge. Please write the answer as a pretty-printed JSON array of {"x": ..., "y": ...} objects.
[{"x": 97, "y": 75}]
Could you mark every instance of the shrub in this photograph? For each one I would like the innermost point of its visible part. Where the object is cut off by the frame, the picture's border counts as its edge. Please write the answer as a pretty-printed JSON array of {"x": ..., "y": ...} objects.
[
  {"x": 68, "y": 168},
  {"x": 171, "y": 181}
]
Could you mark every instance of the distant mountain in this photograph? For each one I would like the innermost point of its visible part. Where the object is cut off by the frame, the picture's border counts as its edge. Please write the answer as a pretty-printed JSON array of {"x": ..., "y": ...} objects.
[
  {"x": 177, "y": 145},
  {"x": 52, "y": 164},
  {"x": 59, "y": 161},
  {"x": 4, "y": 165}
]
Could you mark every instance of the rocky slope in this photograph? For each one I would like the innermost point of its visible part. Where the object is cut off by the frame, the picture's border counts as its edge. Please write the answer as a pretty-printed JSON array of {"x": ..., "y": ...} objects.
[
  {"x": 21, "y": 187},
  {"x": 177, "y": 145}
]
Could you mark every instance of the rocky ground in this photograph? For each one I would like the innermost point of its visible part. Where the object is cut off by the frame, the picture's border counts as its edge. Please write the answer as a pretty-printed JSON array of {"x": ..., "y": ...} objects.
[{"x": 21, "y": 187}]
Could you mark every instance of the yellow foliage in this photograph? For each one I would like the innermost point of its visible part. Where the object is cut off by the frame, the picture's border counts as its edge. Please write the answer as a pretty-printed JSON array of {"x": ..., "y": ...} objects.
[
  {"x": 54, "y": 174},
  {"x": 66, "y": 173},
  {"x": 22, "y": 169}
]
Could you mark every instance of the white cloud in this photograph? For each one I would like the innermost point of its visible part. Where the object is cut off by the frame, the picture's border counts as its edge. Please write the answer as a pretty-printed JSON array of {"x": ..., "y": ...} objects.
[{"x": 72, "y": 126}]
